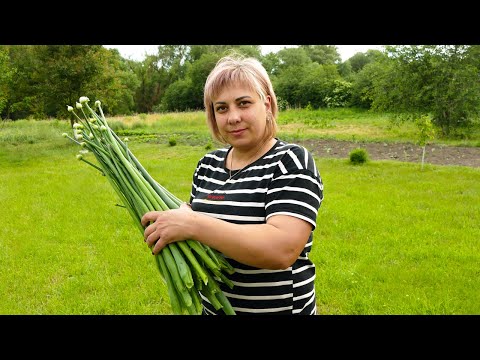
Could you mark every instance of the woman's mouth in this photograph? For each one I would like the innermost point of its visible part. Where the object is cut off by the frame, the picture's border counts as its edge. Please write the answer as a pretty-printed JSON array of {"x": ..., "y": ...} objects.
[{"x": 237, "y": 132}]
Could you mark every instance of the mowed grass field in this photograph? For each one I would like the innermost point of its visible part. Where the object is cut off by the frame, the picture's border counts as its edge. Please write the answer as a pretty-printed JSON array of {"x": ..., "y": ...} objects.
[{"x": 390, "y": 238}]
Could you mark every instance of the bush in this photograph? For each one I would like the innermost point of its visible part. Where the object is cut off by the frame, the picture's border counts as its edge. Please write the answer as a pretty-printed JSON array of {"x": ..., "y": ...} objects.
[
  {"x": 358, "y": 156},
  {"x": 172, "y": 141}
]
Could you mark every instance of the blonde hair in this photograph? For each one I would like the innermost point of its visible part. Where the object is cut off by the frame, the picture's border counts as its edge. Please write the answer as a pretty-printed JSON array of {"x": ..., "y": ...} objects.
[{"x": 238, "y": 70}]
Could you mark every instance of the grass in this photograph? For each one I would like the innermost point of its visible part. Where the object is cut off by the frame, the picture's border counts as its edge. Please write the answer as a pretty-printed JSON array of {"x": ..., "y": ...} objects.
[
  {"x": 360, "y": 125},
  {"x": 393, "y": 241},
  {"x": 390, "y": 239}
]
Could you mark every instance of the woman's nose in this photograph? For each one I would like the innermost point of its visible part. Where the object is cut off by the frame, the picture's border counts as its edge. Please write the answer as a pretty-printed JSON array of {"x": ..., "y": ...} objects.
[{"x": 233, "y": 116}]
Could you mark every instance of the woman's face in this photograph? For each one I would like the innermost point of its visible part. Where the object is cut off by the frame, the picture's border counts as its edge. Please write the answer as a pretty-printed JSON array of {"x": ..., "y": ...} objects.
[{"x": 241, "y": 115}]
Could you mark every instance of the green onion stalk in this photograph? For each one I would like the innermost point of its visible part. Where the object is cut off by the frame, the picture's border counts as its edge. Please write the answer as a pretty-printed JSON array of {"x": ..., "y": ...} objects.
[{"x": 189, "y": 268}]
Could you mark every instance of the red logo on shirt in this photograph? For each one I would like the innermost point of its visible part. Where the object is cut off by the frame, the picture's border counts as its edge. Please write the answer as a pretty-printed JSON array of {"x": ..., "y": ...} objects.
[{"x": 215, "y": 197}]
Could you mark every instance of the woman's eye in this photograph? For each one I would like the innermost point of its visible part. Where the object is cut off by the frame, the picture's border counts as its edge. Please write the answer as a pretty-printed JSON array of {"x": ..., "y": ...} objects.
[{"x": 220, "y": 108}]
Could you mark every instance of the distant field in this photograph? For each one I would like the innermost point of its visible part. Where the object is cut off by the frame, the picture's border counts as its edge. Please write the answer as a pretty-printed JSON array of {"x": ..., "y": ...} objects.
[{"x": 295, "y": 124}]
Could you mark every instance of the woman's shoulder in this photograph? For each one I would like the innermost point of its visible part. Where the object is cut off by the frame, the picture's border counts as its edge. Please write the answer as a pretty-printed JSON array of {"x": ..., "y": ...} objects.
[
  {"x": 284, "y": 146},
  {"x": 295, "y": 156},
  {"x": 214, "y": 155}
]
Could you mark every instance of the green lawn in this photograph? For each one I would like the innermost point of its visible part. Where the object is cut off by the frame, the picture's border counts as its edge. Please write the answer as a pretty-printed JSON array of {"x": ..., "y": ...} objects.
[{"x": 390, "y": 239}]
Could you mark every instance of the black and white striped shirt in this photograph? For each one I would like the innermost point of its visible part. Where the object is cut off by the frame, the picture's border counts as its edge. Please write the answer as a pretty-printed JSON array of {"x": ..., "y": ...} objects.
[{"x": 284, "y": 181}]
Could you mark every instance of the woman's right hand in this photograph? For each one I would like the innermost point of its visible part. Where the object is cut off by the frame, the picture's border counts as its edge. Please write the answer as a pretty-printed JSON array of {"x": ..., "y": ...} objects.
[{"x": 167, "y": 226}]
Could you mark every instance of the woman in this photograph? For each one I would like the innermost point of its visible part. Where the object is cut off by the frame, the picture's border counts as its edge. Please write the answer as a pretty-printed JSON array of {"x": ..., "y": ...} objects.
[{"x": 255, "y": 201}]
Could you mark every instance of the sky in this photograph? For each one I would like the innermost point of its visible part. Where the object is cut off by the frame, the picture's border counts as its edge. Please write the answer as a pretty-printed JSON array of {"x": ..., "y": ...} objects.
[{"x": 137, "y": 52}]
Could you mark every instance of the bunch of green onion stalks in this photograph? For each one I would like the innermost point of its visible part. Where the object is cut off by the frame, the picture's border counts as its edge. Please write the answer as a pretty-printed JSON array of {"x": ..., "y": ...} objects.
[{"x": 189, "y": 268}]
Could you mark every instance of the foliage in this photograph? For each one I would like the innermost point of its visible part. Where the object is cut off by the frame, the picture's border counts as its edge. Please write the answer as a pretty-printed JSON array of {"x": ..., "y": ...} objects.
[
  {"x": 6, "y": 74},
  {"x": 407, "y": 81},
  {"x": 440, "y": 80},
  {"x": 293, "y": 58},
  {"x": 426, "y": 129},
  {"x": 358, "y": 156},
  {"x": 178, "y": 97},
  {"x": 426, "y": 132},
  {"x": 363, "y": 84},
  {"x": 340, "y": 94},
  {"x": 359, "y": 60},
  {"x": 312, "y": 83},
  {"x": 157, "y": 73},
  {"x": 187, "y": 93},
  {"x": 322, "y": 54},
  {"x": 271, "y": 63},
  {"x": 48, "y": 76},
  {"x": 282, "y": 104},
  {"x": 172, "y": 141}
]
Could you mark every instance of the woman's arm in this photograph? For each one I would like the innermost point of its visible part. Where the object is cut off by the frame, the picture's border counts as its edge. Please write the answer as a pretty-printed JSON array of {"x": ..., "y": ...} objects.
[{"x": 274, "y": 245}]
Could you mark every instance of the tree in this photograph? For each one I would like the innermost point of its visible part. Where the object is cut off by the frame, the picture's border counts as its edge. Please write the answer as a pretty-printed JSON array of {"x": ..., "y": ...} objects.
[
  {"x": 363, "y": 83},
  {"x": 116, "y": 85},
  {"x": 47, "y": 78},
  {"x": 63, "y": 74},
  {"x": 271, "y": 62},
  {"x": 360, "y": 59},
  {"x": 322, "y": 54},
  {"x": 436, "y": 80},
  {"x": 187, "y": 93},
  {"x": 22, "y": 95},
  {"x": 6, "y": 74},
  {"x": 314, "y": 84},
  {"x": 197, "y": 51},
  {"x": 426, "y": 132}
]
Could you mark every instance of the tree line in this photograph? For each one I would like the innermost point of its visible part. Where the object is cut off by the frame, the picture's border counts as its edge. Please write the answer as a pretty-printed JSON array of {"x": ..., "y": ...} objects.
[{"x": 410, "y": 81}]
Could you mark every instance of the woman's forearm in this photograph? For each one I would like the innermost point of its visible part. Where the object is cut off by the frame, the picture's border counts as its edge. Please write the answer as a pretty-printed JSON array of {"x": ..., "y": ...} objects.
[{"x": 271, "y": 246}]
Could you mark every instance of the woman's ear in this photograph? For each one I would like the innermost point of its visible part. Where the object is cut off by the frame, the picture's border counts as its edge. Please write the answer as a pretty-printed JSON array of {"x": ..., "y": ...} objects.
[{"x": 268, "y": 103}]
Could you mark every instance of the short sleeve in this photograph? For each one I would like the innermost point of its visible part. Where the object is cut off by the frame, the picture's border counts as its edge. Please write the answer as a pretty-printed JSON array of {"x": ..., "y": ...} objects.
[{"x": 296, "y": 188}]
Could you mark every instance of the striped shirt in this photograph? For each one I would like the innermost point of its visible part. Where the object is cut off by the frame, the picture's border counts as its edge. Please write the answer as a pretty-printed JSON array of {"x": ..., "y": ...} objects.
[{"x": 284, "y": 181}]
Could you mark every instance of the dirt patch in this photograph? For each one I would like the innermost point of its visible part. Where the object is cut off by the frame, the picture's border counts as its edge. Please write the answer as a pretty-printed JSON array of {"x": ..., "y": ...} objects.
[{"x": 434, "y": 154}]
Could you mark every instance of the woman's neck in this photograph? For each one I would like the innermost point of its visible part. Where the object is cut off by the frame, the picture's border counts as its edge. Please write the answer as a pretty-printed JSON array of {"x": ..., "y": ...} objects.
[{"x": 239, "y": 159}]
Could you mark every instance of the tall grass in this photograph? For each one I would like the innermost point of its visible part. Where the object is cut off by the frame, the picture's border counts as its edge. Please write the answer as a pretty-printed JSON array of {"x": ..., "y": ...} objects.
[{"x": 390, "y": 239}]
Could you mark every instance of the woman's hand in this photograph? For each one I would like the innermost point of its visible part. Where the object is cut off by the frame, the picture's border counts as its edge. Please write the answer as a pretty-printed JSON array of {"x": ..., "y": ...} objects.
[{"x": 165, "y": 227}]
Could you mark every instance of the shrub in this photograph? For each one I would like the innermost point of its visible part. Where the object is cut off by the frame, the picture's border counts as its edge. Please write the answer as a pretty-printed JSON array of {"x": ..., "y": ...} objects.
[
  {"x": 172, "y": 141},
  {"x": 358, "y": 156}
]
